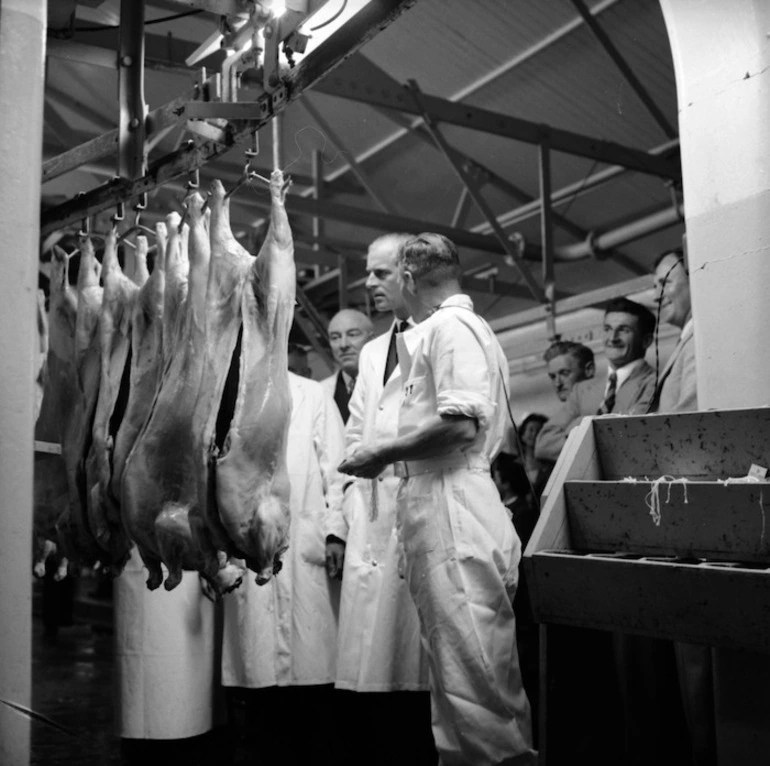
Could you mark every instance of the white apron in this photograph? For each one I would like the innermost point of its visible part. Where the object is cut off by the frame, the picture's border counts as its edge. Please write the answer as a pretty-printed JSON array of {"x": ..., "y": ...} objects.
[
  {"x": 165, "y": 657},
  {"x": 284, "y": 633}
]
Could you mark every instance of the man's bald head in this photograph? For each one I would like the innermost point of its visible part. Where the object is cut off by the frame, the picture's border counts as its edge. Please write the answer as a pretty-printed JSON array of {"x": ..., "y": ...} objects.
[{"x": 349, "y": 330}]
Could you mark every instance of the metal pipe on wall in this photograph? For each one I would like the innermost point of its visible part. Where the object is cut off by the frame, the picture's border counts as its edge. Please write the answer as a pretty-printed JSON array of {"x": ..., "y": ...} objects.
[{"x": 22, "y": 57}]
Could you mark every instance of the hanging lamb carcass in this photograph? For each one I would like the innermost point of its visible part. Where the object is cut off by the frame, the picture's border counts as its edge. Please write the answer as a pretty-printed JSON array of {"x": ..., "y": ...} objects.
[
  {"x": 74, "y": 531},
  {"x": 195, "y": 491},
  {"x": 114, "y": 336}
]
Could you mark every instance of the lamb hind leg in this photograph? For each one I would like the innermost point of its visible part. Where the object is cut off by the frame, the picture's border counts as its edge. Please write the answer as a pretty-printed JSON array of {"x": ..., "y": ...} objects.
[
  {"x": 152, "y": 562},
  {"x": 175, "y": 543}
]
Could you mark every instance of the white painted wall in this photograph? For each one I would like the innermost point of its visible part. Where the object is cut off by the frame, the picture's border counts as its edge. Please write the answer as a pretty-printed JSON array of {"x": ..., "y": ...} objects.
[{"x": 22, "y": 50}]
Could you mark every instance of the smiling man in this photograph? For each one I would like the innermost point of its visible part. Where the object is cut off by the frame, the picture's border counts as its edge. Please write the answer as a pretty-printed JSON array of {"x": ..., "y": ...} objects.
[
  {"x": 630, "y": 384},
  {"x": 349, "y": 330}
]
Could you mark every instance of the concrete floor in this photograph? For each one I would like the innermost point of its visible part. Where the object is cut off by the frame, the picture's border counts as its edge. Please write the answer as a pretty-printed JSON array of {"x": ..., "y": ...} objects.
[{"x": 72, "y": 686}]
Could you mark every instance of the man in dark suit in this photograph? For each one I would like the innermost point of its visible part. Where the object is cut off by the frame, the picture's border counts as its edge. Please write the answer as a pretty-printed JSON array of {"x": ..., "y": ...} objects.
[
  {"x": 349, "y": 330},
  {"x": 628, "y": 388}
]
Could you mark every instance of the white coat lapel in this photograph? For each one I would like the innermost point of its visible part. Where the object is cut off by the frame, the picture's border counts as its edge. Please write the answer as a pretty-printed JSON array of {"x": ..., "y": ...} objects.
[
  {"x": 406, "y": 344},
  {"x": 297, "y": 398}
]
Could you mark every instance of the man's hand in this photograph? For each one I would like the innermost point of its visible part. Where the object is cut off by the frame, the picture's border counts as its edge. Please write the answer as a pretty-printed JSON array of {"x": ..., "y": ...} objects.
[
  {"x": 364, "y": 462},
  {"x": 335, "y": 557}
]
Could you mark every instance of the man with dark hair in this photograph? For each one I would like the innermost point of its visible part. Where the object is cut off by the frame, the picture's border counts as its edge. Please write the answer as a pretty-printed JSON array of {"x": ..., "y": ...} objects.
[
  {"x": 461, "y": 552},
  {"x": 630, "y": 384},
  {"x": 567, "y": 363}
]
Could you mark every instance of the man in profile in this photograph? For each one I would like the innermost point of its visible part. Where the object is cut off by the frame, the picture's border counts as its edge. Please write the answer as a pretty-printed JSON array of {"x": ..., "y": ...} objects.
[
  {"x": 568, "y": 363},
  {"x": 461, "y": 550},
  {"x": 629, "y": 387},
  {"x": 349, "y": 330},
  {"x": 381, "y": 664}
]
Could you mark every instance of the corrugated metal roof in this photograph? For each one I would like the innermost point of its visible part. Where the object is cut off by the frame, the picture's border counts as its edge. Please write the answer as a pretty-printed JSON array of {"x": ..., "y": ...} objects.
[{"x": 533, "y": 60}]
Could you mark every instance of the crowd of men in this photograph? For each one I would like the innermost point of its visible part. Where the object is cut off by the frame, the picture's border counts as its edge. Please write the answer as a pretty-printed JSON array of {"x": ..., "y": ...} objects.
[{"x": 391, "y": 635}]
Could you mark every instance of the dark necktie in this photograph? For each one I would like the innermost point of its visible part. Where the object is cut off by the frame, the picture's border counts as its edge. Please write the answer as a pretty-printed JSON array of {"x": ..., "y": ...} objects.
[
  {"x": 609, "y": 398},
  {"x": 342, "y": 397},
  {"x": 392, "y": 360}
]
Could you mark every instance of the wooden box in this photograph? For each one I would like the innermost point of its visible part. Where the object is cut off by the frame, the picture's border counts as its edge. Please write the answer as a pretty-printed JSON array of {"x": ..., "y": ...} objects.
[{"x": 623, "y": 543}]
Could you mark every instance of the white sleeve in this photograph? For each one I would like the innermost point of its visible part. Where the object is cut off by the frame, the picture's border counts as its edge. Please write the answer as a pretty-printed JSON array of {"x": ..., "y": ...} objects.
[{"x": 329, "y": 444}]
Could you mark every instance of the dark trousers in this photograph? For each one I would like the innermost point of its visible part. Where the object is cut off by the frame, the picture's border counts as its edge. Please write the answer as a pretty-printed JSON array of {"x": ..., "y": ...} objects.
[
  {"x": 285, "y": 724},
  {"x": 211, "y": 748},
  {"x": 386, "y": 728}
]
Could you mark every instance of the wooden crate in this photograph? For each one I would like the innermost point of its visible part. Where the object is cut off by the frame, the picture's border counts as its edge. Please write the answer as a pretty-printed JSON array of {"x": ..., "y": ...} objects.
[{"x": 597, "y": 558}]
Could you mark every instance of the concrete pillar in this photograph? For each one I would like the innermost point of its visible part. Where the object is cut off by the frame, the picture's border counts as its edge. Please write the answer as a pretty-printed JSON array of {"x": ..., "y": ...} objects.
[
  {"x": 721, "y": 55},
  {"x": 22, "y": 52}
]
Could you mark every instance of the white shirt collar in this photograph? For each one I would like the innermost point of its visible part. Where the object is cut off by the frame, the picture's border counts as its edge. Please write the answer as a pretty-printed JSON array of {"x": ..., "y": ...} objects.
[
  {"x": 687, "y": 327},
  {"x": 460, "y": 300},
  {"x": 623, "y": 373}
]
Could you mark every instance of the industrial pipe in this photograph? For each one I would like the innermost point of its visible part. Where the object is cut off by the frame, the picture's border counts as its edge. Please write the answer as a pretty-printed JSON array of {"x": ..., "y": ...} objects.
[
  {"x": 642, "y": 227},
  {"x": 22, "y": 58}
]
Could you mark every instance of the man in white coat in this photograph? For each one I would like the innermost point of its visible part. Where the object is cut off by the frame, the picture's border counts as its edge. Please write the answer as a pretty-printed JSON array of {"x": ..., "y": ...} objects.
[
  {"x": 461, "y": 550},
  {"x": 379, "y": 651},
  {"x": 279, "y": 643}
]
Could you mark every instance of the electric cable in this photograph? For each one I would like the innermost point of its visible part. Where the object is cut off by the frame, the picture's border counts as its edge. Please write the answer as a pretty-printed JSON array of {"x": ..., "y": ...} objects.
[{"x": 659, "y": 300}]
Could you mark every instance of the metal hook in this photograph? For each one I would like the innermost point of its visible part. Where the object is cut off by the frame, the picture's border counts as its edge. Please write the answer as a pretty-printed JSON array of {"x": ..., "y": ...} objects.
[
  {"x": 85, "y": 224},
  {"x": 255, "y": 151},
  {"x": 119, "y": 214},
  {"x": 140, "y": 205}
]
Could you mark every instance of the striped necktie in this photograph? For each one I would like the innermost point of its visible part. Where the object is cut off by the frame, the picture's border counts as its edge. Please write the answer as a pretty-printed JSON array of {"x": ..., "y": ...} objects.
[{"x": 609, "y": 398}]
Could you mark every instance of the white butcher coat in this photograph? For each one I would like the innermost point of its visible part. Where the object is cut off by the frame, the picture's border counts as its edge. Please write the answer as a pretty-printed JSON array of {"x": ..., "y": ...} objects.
[
  {"x": 165, "y": 645},
  {"x": 379, "y": 646},
  {"x": 284, "y": 633},
  {"x": 462, "y": 552}
]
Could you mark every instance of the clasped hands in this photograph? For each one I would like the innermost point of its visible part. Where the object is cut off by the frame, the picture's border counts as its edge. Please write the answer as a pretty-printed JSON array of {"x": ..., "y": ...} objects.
[{"x": 365, "y": 462}]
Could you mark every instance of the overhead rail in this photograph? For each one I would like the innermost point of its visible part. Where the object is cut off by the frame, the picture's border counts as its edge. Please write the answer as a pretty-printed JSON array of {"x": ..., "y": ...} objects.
[{"x": 370, "y": 20}]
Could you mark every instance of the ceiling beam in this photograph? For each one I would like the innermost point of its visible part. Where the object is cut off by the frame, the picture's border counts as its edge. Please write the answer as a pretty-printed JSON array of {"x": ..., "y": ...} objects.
[
  {"x": 345, "y": 83},
  {"x": 625, "y": 68}
]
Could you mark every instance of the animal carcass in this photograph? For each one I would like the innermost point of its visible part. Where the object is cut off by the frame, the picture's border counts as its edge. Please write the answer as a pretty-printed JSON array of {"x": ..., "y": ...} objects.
[
  {"x": 114, "y": 336},
  {"x": 60, "y": 391},
  {"x": 77, "y": 419},
  {"x": 171, "y": 506},
  {"x": 146, "y": 356},
  {"x": 251, "y": 484},
  {"x": 159, "y": 481}
]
